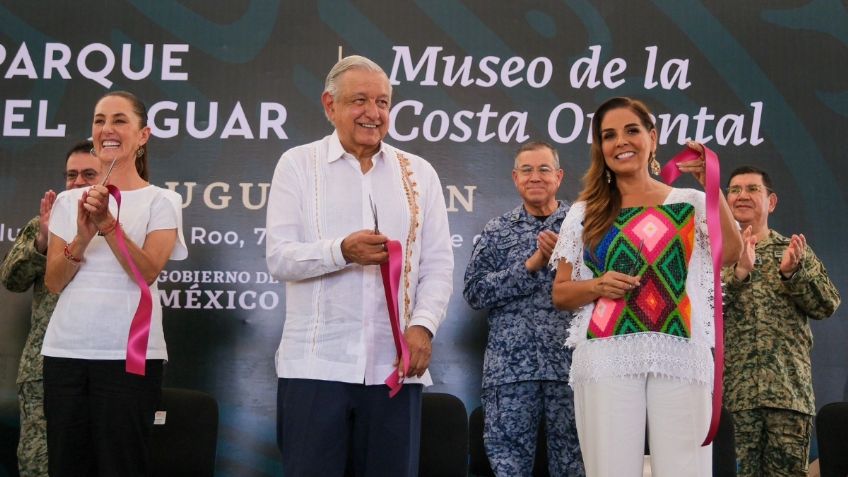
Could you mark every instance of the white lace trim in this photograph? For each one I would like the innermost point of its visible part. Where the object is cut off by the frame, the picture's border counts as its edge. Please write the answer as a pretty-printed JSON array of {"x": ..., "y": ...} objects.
[
  {"x": 641, "y": 354},
  {"x": 699, "y": 288}
]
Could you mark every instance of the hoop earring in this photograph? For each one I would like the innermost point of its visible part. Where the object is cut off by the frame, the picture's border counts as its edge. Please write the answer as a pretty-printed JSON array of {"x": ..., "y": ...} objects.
[
  {"x": 655, "y": 164},
  {"x": 609, "y": 176},
  {"x": 139, "y": 152}
]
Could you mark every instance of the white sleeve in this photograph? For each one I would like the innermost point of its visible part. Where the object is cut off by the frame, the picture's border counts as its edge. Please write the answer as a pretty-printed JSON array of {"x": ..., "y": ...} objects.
[
  {"x": 165, "y": 214},
  {"x": 698, "y": 199},
  {"x": 435, "y": 266},
  {"x": 569, "y": 245},
  {"x": 699, "y": 281},
  {"x": 289, "y": 253}
]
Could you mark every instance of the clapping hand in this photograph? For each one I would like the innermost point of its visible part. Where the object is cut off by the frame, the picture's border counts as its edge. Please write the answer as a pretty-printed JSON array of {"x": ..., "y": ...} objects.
[
  {"x": 44, "y": 220},
  {"x": 793, "y": 255},
  {"x": 748, "y": 256},
  {"x": 545, "y": 243}
]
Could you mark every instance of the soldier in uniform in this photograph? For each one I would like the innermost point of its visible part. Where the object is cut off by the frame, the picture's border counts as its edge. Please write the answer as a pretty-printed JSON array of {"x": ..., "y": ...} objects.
[
  {"x": 777, "y": 285},
  {"x": 23, "y": 268},
  {"x": 525, "y": 371}
]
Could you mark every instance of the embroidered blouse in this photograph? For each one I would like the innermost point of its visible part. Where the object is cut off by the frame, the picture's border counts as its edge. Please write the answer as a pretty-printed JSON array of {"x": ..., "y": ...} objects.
[{"x": 663, "y": 327}]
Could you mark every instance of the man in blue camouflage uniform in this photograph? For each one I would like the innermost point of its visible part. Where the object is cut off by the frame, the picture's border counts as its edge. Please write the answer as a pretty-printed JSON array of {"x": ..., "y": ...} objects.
[
  {"x": 777, "y": 285},
  {"x": 23, "y": 268},
  {"x": 525, "y": 371}
]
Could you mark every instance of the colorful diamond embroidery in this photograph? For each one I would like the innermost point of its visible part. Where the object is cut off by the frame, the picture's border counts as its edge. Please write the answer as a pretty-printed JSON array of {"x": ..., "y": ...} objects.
[
  {"x": 604, "y": 316},
  {"x": 660, "y": 304},
  {"x": 629, "y": 323}
]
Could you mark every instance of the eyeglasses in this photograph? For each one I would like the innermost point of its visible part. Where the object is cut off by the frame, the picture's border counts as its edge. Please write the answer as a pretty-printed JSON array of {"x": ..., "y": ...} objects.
[
  {"x": 543, "y": 171},
  {"x": 750, "y": 189},
  {"x": 89, "y": 175}
]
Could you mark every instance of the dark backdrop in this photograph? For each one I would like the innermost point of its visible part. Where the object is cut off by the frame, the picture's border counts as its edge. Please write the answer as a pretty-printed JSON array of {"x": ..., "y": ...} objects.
[{"x": 233, "y": 84}]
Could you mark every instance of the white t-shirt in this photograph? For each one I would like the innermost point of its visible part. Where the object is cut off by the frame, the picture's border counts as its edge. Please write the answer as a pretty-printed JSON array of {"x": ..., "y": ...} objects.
[{"x": 93, "y": 315}]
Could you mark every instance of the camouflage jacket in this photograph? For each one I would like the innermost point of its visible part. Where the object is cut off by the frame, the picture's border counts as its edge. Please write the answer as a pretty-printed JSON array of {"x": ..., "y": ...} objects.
[
  {"x": 526, "y": 333},
  {"x": 24, "y": 267},
  {"x": 767, "y": 333}
]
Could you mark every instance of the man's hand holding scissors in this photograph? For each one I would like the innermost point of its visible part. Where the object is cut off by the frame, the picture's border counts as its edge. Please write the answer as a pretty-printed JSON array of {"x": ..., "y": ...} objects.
[{"x": 366, "y": 247}]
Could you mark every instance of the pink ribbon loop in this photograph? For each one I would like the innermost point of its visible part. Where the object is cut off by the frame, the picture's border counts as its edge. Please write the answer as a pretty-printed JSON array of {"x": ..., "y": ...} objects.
[
  {"x": 712, "y": 186},
  {"x": 390, "y": 270},
  {"x": 140, "y": 326}
]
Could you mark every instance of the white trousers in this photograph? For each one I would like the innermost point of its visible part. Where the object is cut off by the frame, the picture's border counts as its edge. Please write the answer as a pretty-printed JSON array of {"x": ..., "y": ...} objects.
[{"x": 611, "y": 417}]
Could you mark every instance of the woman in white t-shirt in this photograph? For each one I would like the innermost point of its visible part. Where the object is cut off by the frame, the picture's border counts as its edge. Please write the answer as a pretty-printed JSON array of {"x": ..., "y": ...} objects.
[{"x": 99, "y": 416}]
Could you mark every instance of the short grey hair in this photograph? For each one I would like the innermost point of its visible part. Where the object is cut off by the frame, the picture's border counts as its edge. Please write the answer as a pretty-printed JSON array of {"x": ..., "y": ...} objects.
[
  {"x": 533, "y": 146},
  {"x": 352, "y": 62}
]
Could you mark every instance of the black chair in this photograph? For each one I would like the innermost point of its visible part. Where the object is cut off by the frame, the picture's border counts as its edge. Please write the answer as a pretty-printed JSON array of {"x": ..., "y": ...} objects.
[
  {"x": 832, "y": 436},
  {"x": 444, "y": 436},
  {"x": 724, "y": 446},
  {"x": 184, "y": 445},
  {"x": 479, "y": 462},
  {"x": 9, "y": 430}
]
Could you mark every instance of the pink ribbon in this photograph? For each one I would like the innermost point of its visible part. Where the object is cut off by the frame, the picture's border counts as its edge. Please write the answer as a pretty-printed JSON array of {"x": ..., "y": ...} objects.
[
  {"x": 391, "y": 283},
  {"x": 669, "y": 174},
  {"x": 140, "y": 326}
]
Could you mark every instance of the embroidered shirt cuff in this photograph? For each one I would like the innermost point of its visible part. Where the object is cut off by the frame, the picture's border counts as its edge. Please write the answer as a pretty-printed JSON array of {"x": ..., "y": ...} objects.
[
  {"x": 336, "y": 257},
  {"x": 426, "y": 323}
]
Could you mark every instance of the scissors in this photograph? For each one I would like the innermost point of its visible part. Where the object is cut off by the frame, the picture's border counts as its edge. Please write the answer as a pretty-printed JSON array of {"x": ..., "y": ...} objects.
[
  {"x": 635, "y": 267},
  {"x": 109, "y": 172},
  {"x": 374, "y": 212},
  {"x": 111, "y": 166}
]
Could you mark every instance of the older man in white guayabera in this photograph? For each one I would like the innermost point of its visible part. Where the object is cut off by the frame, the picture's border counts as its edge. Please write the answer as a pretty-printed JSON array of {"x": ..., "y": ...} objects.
[{"x": 325, "y": 241}]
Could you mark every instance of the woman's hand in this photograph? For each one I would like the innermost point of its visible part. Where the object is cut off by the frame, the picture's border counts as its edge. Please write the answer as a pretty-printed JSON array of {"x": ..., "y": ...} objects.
[
  {"x": 696, "y": 167},
  {"x": 615, "y": 285},
  {"x": 96, "y": 203},
  {"x": 85, "y": 227}
]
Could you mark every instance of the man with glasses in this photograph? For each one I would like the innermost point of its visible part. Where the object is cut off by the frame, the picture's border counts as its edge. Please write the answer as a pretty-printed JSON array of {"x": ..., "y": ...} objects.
[
  {"x": 777, "y": 285},
  {"x": 23, "y": 267},
  {"x": 525, "y": 370}
]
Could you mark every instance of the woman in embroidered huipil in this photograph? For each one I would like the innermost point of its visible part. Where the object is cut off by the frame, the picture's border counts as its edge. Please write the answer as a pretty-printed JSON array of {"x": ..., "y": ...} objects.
[{"x": 633, "y": 259}]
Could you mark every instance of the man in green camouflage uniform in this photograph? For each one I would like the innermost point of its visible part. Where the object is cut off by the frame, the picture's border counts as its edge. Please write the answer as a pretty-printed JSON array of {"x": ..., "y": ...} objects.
[
  {"x": 23, "y": 267},
  {"x": 775, "y": 287}
]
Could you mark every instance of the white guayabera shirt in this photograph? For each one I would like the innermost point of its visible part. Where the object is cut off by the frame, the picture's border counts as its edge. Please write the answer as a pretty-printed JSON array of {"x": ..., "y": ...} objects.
[{"x": 337, "y": 325}]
